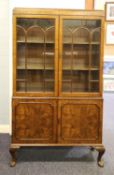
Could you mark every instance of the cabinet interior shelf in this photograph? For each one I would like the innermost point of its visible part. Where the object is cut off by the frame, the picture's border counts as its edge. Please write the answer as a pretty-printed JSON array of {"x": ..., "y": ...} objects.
[
  {"x": 35, "y": 68},
  {"x": 94, "y": 81},
  {"x": 80, "y": 69},
  {"x": 34, "y": 42},
  {"x": 23, "y": 80},
  {"x": 82, "y": 43}
]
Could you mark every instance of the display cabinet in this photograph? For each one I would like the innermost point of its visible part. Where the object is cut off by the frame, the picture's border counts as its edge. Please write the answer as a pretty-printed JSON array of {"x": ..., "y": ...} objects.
[{"x": 57, "y": 79}]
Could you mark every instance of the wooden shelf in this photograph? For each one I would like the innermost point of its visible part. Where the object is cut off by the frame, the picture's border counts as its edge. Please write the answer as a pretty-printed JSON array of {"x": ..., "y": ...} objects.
[
  {"x": 49, "y": 80},
  {"x": 35, "y": 68},
  {"x": 80, "y": 68},
  {"x": 94, "y": 81},
  {"x": 24, "y": 80},
  {"x": 66, "y": 80},
  {"x": 96, "y": 43},
  {"x": 83, "y": 43},
  {"x": 34, "y": 42},
  {"x": 21, "y": 80}
]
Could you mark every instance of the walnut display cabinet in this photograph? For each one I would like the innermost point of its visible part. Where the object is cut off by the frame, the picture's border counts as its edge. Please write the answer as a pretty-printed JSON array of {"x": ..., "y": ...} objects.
[{"x": 57, "y": 79}]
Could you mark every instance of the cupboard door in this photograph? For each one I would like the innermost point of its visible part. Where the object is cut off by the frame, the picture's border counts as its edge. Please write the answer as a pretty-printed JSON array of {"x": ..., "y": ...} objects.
[
  {"x": 36, "y": 55},
  {"x": 80, "y": 50},
  {"x": 34, "y": 121},
  {"x": 80, "y": 121}
]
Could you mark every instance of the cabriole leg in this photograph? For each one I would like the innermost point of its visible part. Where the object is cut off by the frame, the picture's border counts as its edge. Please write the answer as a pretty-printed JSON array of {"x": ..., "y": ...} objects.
[
  {"x": 101, "y": 151},
  {"x": 12, "y": 151}
]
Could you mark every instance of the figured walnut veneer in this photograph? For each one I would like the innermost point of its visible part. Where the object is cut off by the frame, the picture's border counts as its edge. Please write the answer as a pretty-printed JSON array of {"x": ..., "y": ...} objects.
[
  {"x": 35, "y": 121},
  {"x": 80, "y": 121}
]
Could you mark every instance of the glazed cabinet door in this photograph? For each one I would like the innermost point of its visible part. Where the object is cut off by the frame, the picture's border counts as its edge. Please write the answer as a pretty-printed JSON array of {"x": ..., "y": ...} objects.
[
  {"x": 80, "y": 121},
  {"x": 35, "y": 55},
  {"x": 34, "y": 121},
  {"x": 81, "y": 44}
]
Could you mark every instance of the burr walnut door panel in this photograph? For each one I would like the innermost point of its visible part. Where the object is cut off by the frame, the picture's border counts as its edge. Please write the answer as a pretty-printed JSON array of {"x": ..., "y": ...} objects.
[
  {"x": 34, "y": 121},
  {"x": 80, "y": 121}
]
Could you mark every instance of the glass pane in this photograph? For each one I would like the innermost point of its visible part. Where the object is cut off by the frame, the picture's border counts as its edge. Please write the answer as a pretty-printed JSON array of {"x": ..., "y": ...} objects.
[
  {"x": 35, "y": 81},
  {"x": 81, "y": 55},
  {"x": 49, "y": 86},
  {"x": 21, "y": 74},
  {"x": 35, "y": 57},
  {"x": 21, "y": 86},
  {"x": 79, "y": 82},
  {"x": 66, "y": 86},
  {"x": 49, "y": 80},
  {"x": 35, "y": 54},
  {"x": 21, "y": 56},
  {"x": 49, "y": 57},
  {"x": 95, "y": 56}
]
